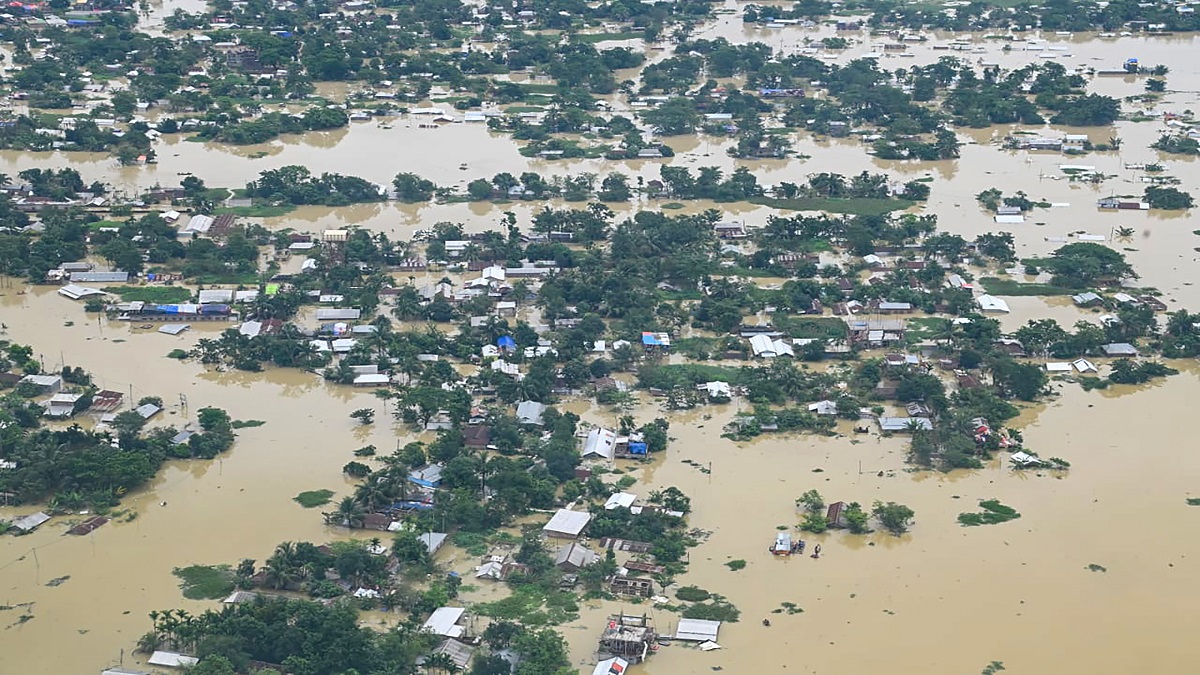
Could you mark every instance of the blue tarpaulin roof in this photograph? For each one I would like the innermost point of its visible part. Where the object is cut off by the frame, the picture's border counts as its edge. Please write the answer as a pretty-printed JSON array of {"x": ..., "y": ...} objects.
[
  {"x": 506, "y": 341},
  {"x": 650, "y": 339}
]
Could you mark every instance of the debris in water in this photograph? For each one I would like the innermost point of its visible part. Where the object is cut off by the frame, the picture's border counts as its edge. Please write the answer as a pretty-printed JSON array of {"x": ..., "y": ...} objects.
[{"x": 57, "y": 581}]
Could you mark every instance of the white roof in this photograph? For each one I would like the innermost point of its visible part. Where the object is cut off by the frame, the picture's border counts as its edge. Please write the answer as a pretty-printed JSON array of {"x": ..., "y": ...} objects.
[
  {"x": 433, "y": 541},
  {"x": 609, "y": 666},
  {"x": 697, "y": 630},
  {"x": 492, "y": 570},
  {"x": 76, "y": 292},
  {"x": 250, "y": 328},
  {"x": 198, "y": 223},
  {"x": 444, "y": 622},
  {"x": 568, "y": 522},
  {"x": 709, "y": 646},
  {"x": 620, "y": 500},
  {"x": 172, "y": 660},
  {"x": 371, "y": 378},
  {"x": 599, "y": 443},
  {"x": 1013, "y": 219},
  {"x": 1058, "y": 367},
  {"x": 174, "y": 328},
  {"x": 333, "y": 314},
  {"x": 1084, "y": 366},
  {"x": 210, "y": 295},
  {"x": 990, "y": 303},
  {"x": 823, "y": 407},
  {"x": 1024, "y": 459}
]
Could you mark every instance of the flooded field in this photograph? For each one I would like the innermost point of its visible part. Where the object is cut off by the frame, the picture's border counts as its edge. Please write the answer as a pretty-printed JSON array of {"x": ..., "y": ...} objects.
[{"x": 941, "y": 599}]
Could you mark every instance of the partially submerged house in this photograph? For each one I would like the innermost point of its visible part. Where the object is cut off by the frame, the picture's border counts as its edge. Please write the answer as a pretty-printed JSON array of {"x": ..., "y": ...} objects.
[
  {"x": 429, "y": 476},
  {"x": 599, "y": 443},
  {"x": 612, "y": 666},
  {"x": 445, "y": 621},
  {"x": 697, "y": 630},
  {"x": 901, "y": 424},
  {"x": 574, "y": 557},
  {"x": 1122, "y": 349},
  {"x": 631, "y": 638},
  {"x": 567, "y": 524}
]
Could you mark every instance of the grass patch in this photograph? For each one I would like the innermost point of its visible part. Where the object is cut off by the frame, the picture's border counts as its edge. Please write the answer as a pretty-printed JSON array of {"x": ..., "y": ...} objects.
[
  {"x": 159, "y": 295},
  {"x": 673, "y": 206},
  {"x": 1097, "y": 568},
  {"x": 593, "y": 38},
  {"x": 205, "y": 582},
  {"x": 993, "y": 513},
  {"x": 719, "y": 609},
  {"x": 533, "y": 605},
  {"x": 177, "y": 354},
  {"x": 859, "y": 206},
  {"x": 472, "y": 542},
  {"x": 692, "y": 594},
  {"x": 311, "y": 499},
  {"x": 827, "y": 328},
  {"x": 1193, "y": 501},
  {"x": 788, "y": 607},
  {"x": 246, "y": 424},
  {"x": 735, "y": 565},
  {"x": 264, "y": 211},
  {"x": 997, "y": 286}
]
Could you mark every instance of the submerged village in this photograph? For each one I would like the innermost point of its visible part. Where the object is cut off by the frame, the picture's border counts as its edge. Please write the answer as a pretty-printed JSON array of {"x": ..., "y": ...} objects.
[{"x": 387, "y": 337}]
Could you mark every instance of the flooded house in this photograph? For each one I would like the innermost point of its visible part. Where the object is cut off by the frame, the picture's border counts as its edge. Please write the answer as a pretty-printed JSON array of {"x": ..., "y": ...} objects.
[
  {"x": 622, "y": 583},
  {"x": 567, "y": 524},
  {"x": 629, "y": 637},
  {"x": 574, "y": 557}
]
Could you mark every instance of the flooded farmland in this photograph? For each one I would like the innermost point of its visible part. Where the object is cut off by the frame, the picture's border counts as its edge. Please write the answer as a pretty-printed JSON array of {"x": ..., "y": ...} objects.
[{"x": 940, "y": 599}]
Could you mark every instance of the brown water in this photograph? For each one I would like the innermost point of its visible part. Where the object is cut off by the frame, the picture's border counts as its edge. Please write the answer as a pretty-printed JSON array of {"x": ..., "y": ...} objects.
[{"x": 942, "y": 599}]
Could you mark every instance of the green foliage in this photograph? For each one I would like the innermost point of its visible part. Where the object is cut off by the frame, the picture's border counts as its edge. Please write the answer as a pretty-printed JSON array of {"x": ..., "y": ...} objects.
[
  {"x": 993, "y": 513},
  {"x": 1161, "y": 197},
  {"x": 894, "y": 518},
  {"x": 177, "y": 354},
  {"x": 532, "y": 605},
  {"x": 356, "y": 469},
  {"x": 246, "y": 424},
  {"x": 159, "y": 295},
  {"x": 1193, "y": 501},
  {"x": 1013, "y": 288},
  {"x": 718, "y": 609},
  {"x": 310, "y": 499},
  {"x": 202, "y": 582},
  {"x": 693, "y": 593},
  {"x": 735, "y": 565},
  {"x": 1084, "y": 264}
]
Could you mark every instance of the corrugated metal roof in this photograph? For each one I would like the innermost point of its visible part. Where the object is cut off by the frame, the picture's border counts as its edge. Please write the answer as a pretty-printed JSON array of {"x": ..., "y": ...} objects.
[{"x": 697, "y": 630}]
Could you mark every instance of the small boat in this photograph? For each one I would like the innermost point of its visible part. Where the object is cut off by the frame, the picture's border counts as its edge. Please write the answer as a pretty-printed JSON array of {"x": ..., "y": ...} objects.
[{"x": 783, "y": 544}]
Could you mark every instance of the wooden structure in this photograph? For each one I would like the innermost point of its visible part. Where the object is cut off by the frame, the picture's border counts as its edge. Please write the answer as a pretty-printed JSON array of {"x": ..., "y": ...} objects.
[{"x": 629, "y": 637}]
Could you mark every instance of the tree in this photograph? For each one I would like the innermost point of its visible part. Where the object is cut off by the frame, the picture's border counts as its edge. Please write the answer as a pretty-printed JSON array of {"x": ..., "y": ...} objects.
[
  {"x": 1083, "y": 264},
  {"x": 894, "y": 518},
  {"x": 1024, "y": 381},
  {"x": 811, "y": 501},
  {"x": 479, "y": 189},
  {"x": 412, "y": 188},
  {"x": 363, "y": 415},
  {"x": 857, "y": 520},
  {"x": 1168, "y": 198},
  {"x": 349, "y": 513},
  {"x": 675, "y": 117}
]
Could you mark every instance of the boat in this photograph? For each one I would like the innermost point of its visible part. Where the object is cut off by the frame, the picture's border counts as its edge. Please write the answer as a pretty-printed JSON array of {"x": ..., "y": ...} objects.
[{"x": 783, "y": 544}]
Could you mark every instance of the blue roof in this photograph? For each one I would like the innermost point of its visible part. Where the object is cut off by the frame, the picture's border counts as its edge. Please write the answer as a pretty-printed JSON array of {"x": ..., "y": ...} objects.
[
  {"x": 506, "y": 341},
  {"x": 650, "y": 339}
]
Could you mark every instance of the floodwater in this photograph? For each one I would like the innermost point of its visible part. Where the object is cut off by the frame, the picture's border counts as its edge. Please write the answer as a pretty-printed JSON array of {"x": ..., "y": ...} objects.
[{"x": 941, "y": 599}]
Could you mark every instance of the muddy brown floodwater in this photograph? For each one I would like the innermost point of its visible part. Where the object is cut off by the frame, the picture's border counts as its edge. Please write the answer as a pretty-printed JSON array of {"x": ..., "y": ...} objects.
[{"x": 941, "y": 599}]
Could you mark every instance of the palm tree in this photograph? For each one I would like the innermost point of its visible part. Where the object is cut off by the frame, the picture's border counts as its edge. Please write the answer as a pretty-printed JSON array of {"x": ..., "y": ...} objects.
[{"x": 349, "y": 513}]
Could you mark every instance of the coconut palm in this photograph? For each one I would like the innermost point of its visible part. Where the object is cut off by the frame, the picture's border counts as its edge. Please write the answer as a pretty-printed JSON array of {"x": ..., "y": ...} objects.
[{"x": 349, "y": 513}]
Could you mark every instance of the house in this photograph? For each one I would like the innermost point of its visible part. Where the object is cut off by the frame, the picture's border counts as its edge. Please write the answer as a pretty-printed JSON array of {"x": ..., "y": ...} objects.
[
  {"x": 836, "y": 515},
  {"x": 574, "y": 557},
  {"x": 31, "y": 522},
  {"x": 567, "y": 524},
  {"x": 629, "y": 637},
  {"x": 530, "y": 412},
  {"x": 1123, "y": 204},
  {"x": 172, "y": 660},
  {"x": 477, "y": 436},
  {"x": 619, "y": 500},
  {"x": 900, "y": 424},
  {"x": 990, "y": 303},
  {"x": 1119, "y": 349},
  {"x": 76, "y": 292},
  {"x": 766, "y": 348},
  {"x": 1058, "y": 367},
  {"x": 826, "y": 407},
  {"x": 336, "y": 314},
  {"x": 239, "y": 597},
  {"x": 730, "y": 230},
  {"x": 433, "y": 541},
  {"x": 458, "y": 653},
  {"x": 445, "y": 622},
  {"x": 885, "y": 307},
  {"x": 697, "y": 630},
  {"x": 46, "y": 384},
  {"x": 62, "y": 405},
  {"x": 717, "y": 391},
  {"x": 1086, "y": 299},
  {"x": 876, "y": 332},
  {"x": 429, "y": 476},
  {"x": 1084, "y": 366},
  {"x": 599, "y": 443},
  {"x": 614, "y": 666},
  {"x": 116, "y": 277},
  {"x": 655, "y": 341}
]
